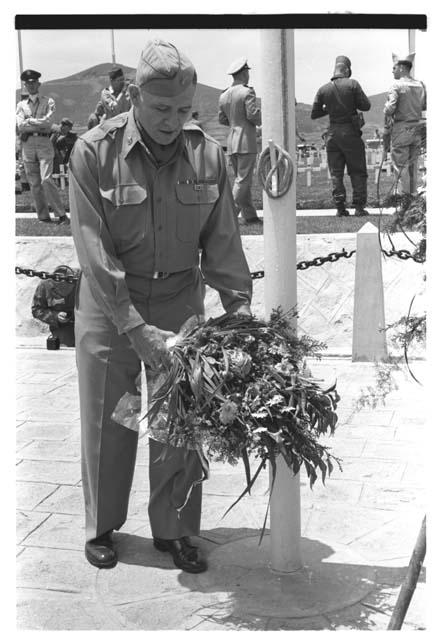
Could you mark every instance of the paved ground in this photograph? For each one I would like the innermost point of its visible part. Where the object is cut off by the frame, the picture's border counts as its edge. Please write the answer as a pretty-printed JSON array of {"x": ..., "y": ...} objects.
[{"x": 362, "y": 525}]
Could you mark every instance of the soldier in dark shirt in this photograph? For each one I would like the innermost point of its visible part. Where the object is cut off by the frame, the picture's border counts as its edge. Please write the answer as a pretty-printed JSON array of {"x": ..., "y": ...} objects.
[
  {"x": 53, "y": 303},
  {"x": 339, "y": 99},
  {"x": 63, "y": 140}
]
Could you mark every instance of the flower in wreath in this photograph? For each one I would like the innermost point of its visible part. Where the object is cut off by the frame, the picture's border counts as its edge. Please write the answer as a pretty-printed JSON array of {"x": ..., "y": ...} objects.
[
  {"x": 228, "y": 412},
  {"x": 240, "y": 362}
]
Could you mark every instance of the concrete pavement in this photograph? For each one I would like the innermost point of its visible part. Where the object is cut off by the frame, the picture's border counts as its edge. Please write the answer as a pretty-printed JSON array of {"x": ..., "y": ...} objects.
[{"x": 358, "y": 531}]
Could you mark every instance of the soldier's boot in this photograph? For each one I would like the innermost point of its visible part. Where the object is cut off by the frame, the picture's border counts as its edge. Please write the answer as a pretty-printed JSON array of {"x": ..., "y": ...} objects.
[
  {"x": 341, "y": 211},
  {"x": 360, "y": 211}
]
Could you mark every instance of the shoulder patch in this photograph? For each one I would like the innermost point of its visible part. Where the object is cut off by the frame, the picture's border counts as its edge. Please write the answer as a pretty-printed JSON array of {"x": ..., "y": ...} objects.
[
  {"x": 189, "y": 126},
  {"x": 106, "y": 127}
]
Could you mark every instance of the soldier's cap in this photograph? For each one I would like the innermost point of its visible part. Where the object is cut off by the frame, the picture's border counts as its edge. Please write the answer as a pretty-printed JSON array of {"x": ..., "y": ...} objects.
[
  {"x": 237, "y": 65},
  {"x": 67, "y": 121},
  {"x": 407, "y": 60},
  {"x": 117, "y": 72},
  {"x": 163, "y": 70},
  {"x": 30, "y": 74}
]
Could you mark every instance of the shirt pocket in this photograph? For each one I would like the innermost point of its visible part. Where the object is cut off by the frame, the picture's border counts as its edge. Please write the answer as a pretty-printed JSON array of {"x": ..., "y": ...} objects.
[
  {"x": 195, "y": 201},
  {"x": 126, "y": 214}
]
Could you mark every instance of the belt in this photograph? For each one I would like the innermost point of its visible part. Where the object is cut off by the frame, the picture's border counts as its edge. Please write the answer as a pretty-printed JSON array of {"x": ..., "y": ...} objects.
[
  {"x": 160, "y": 275},
  {"x": 45, "y": 135}
]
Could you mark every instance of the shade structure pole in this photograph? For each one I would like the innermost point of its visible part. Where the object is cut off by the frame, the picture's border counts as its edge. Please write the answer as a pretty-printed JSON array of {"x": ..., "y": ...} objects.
[{"x": 280, "y": 263}]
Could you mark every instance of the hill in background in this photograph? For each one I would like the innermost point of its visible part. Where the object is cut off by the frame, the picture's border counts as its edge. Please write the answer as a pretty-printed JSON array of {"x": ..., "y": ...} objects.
[{"x": 77, "y": 95}]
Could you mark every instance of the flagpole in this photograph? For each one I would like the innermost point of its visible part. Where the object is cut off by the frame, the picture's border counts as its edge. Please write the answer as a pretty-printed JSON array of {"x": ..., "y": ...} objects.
[
  {"x": 113, "y": 46},
  {"x": 412, "y": 47},
  {"x": 20, "y": 56}
]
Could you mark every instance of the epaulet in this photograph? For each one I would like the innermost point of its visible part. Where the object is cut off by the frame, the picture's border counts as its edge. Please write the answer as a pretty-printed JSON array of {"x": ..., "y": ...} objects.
[
  {"x": 189, "y": 126},
  {"x": 106, "y": 127}
]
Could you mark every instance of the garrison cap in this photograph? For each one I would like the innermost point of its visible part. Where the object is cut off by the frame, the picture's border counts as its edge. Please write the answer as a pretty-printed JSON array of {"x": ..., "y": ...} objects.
[
  {"x": 163, "y": 70},
  {"x": 67, "y": 121},
  {"x": 408, "y": 60},
  {"x": 30, "y": 74},
  {"x": 238, "y": 65}
]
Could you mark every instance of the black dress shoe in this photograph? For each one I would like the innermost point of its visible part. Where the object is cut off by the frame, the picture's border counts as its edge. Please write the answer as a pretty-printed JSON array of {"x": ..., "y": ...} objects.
[
  {"x": 100, "y": 552},
  {"x": 185, "y": 557}
]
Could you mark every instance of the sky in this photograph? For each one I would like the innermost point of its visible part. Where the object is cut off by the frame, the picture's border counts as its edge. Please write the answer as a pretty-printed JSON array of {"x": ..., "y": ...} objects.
[{"x": 212, "y": 51}]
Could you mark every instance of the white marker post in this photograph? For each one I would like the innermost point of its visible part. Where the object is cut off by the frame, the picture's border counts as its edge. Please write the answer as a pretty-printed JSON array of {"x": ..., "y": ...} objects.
[{"x": 280, "y": 262}]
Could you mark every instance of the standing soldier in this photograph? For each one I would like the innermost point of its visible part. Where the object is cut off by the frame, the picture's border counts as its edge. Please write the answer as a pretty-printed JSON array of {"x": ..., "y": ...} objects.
[
  {"x": 239, "y": 110},
  {"x": 34, "y": 118},
  {"x": 403, "y": 113},
  {"x": 152, "y": 219},
  {"x": 339, "y": 99},
  {"x": 115, "y": 98}
]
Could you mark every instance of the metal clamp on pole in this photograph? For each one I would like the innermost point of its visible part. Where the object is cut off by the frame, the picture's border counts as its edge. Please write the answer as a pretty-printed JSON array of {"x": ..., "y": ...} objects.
[{"x": 275, "y": 170}]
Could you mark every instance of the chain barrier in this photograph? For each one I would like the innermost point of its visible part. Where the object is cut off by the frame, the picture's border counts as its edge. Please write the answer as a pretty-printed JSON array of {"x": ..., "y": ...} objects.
[
  {"x": 403, "y": 254},
  {"x": 46, "y": 275},
  {"x": 334, "y": 256}
]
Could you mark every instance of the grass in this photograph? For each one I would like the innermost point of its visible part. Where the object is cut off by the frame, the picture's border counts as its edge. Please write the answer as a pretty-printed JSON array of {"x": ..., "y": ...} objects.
[
  {"x": 305, "y": 225},
  {"x": 317, "y": 196}
]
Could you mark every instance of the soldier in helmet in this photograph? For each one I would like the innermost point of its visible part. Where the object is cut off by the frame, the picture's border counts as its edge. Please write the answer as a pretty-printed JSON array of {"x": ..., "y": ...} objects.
[
  {"x": 339, "y": 99},
  {"x": 53, "y": 303},
  {"x": 152, "y": 220},
  {"x": 239, "y": 110}
]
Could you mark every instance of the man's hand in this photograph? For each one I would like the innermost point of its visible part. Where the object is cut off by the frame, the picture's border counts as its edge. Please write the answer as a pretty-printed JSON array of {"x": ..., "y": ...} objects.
[
  {"x": 149, "y": 343},
  {"x": 62, "y": 317}
]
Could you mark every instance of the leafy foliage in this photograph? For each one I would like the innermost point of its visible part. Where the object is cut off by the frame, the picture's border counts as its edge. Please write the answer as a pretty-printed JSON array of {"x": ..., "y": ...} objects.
[{"x": 238, "y": 388}]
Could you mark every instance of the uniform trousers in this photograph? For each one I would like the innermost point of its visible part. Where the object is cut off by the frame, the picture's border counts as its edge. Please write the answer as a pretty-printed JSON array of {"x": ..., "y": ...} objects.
[
  {"x": 345, "y": 147},
  {"x": 38, "y": 155},
  {"x": 243, "y": 165},
  {"x": 107, "y": 369},
  {"x": 405, "y": 148}
]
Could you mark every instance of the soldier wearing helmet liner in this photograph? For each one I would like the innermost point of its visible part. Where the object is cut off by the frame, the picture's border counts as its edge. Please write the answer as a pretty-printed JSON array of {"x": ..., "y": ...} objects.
[{"x": 339, "y": 99}]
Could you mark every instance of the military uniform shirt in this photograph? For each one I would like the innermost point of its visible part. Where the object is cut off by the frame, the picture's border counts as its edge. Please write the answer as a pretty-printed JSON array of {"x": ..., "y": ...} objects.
[
  {"x": 114, "y": 105},
  {"x": 406, "y": 100},
  {"x": 340, "y": 102},
  {"x": 42, "y": 110},
  {"x": 131, "y": 218}
]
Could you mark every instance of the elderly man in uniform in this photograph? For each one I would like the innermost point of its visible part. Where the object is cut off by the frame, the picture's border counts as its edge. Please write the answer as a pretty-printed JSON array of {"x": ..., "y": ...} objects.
[
  {"x": 339, "y": 99},
  {"x": 148, "y": 197},
  {"x": 115, "y": 99},
  {"x": 34, "y": 117},
  {"x": 239, "y": 110},
  {"x": 403, "y": 113}
]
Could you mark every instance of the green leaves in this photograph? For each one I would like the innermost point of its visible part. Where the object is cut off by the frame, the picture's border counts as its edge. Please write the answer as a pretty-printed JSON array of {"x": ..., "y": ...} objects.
[{"x": 240, "y": 386}]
